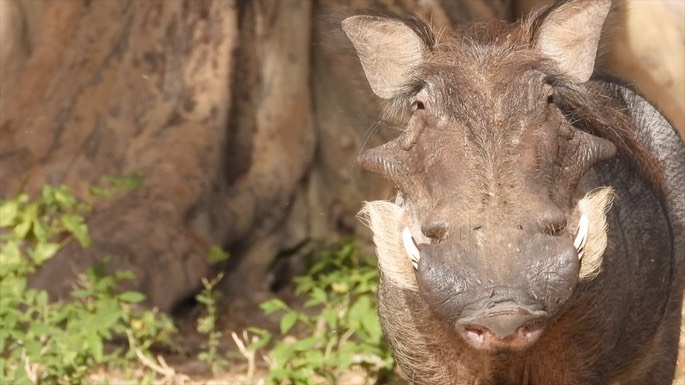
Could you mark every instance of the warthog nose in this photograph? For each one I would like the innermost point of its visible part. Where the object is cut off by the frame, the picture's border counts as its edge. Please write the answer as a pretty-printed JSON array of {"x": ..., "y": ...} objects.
[{"x": 503, "y": 328}]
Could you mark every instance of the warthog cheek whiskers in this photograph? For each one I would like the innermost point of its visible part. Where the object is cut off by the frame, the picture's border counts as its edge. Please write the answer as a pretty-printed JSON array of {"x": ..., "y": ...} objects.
[
  {"x": 386, "y": 220},
  {"x": 591, "y": 238}
]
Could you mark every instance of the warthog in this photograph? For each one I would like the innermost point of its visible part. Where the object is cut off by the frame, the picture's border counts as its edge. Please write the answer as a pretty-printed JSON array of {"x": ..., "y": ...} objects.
[{"x": 503, "y": 258}]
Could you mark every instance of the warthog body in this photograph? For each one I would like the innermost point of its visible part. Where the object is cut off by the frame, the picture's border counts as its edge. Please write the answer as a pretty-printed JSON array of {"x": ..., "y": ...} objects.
[{"x": 503, "y": 259}]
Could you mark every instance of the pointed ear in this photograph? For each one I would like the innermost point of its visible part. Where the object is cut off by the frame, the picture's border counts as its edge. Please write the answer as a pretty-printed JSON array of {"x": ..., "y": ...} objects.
[
  {"x": 569, "y": 36},
  {"x": 388, "y": 49}
]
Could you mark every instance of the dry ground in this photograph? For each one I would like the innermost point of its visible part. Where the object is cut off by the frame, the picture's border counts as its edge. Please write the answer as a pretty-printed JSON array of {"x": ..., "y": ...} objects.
[{"x": 183, "y": 371}]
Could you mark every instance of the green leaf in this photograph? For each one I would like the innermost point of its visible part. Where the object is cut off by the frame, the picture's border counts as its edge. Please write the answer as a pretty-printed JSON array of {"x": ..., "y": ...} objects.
[
  {"x": 65, "y": 198},
  {"x": 263, "y": 338},
  {"x": 47, "y": 194},
  {"x": 331, "y": 317},
  {"x": 303, "y": 284},
  {"x": 126, "y": 182},
  {"x": 22, "y": 228},
  {"x": 10, "y": 253},
  {"x": 340, "y": 287},
  {"x": 123, "y": 275},
  {"x": 317, "y": 296},
  {"x": 216, "y": 255},
  {"x": 360, "y": 308},
  {"x": 282, "y": 352},
  {"x": 131, "y": 297},
  {"x": 306, "y": 343},
  {"x": 41, "y": 231},
  {"x": 8, "y": 212},
  {"x": 203, "y": 298},
  {"x": 100, "y": 192},
  {"x": 371, "y": 323},
  {"x": 43, "y": 251},
  {"x": 105, "y": 319},
  {"x": 42, "y": 299},
  {"x": 80, "y": 293},
  {"x": 75, "y": 225},
  {"x": 288, "y": 321},
  {"x": 272, "y": 306},
  {"x": 96, "y": 347}
]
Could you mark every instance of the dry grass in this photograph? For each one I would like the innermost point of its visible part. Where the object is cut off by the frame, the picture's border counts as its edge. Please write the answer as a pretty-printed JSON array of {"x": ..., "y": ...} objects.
[{"x": 198, "y": 374}]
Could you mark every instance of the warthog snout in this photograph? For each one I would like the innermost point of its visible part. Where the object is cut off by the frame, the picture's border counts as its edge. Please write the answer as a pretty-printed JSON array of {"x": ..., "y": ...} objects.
[
  {"x": 495, "y": 305},
  {"x": 504, "y": 326}
]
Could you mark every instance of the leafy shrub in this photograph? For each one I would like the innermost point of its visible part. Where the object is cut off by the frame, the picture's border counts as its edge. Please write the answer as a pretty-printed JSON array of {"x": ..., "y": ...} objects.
[
  {"x": 49, "y": 342},
  {"x": 339, "y": 325}
]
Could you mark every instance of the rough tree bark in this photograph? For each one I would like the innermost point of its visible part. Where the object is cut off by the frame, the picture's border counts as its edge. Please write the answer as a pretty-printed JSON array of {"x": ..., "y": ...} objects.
[
  {"x": 243, "y": 117},
  {"x": 115, "y": 87}
]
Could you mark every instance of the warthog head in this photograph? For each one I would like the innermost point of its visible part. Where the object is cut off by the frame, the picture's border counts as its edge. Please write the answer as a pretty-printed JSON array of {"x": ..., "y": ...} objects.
[{"x": 487, "y": 224}]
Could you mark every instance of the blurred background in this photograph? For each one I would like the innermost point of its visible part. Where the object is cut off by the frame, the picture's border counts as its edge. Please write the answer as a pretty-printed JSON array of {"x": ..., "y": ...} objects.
[{"x": 243, "y": 119}]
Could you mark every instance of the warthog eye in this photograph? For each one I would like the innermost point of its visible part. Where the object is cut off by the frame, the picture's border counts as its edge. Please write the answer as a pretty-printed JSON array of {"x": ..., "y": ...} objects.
[{"x": 417, "y": 105}]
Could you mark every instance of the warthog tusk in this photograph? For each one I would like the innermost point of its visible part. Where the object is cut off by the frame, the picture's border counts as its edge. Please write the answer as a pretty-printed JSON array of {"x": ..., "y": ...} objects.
[
  {"x": 411, "y": 248},
  {"x": 581, "y": 235}
]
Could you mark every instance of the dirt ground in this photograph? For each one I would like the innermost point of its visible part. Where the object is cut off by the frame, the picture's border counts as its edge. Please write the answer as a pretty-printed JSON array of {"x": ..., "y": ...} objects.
[{"x": 238, "y": 371}]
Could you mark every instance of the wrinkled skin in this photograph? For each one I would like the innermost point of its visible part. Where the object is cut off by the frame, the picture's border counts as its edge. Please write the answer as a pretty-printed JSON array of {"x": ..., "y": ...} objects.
[{"x": 502, "y": 259}]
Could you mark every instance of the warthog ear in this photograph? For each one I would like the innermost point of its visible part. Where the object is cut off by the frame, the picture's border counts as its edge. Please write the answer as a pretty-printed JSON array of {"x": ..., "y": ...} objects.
[
  {"x": 388, "y": 49},
  {"x": 569, "y": 36}
]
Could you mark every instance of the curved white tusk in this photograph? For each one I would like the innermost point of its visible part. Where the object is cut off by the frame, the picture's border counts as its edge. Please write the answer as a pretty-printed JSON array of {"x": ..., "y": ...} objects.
[
  {"x": 581, "y": 235},
  {"x": 410, "y": 247}
]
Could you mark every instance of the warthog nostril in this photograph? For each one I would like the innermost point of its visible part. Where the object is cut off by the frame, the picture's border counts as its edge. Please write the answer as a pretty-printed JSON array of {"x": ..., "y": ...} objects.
[
  {"x": 475, "y": 335},
  {"x": 511, "y": 329},
  {"x": 505, "y": 326}
]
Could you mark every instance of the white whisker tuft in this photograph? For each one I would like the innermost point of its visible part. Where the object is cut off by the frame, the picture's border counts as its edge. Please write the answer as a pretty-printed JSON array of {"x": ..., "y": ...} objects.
[
  {"x": 593, "y": 207},
  {"x": 386, "y": 221}
]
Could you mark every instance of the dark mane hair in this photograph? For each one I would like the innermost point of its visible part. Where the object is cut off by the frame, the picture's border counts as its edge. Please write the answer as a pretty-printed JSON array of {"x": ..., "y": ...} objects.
[{"x": 598, "y": 109}]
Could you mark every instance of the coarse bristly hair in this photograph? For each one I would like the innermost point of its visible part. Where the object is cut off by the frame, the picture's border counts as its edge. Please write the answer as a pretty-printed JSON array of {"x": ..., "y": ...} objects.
[
  {"x": 589, "y": 107},
  {"x": 425, "y": 346}
]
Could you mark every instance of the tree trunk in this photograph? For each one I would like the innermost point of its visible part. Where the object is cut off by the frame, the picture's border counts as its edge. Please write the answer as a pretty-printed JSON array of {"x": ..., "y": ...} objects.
[
  {"x": 244, "y": 118},
  {"x": 114, "y": 87}
]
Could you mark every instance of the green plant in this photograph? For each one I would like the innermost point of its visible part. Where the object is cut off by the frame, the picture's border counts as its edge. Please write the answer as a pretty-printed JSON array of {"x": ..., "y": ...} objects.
[
  {"x": 207, "y": 324},
  {"x": 339, "y": 325},
  {"x": 61, "y": 342}
]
